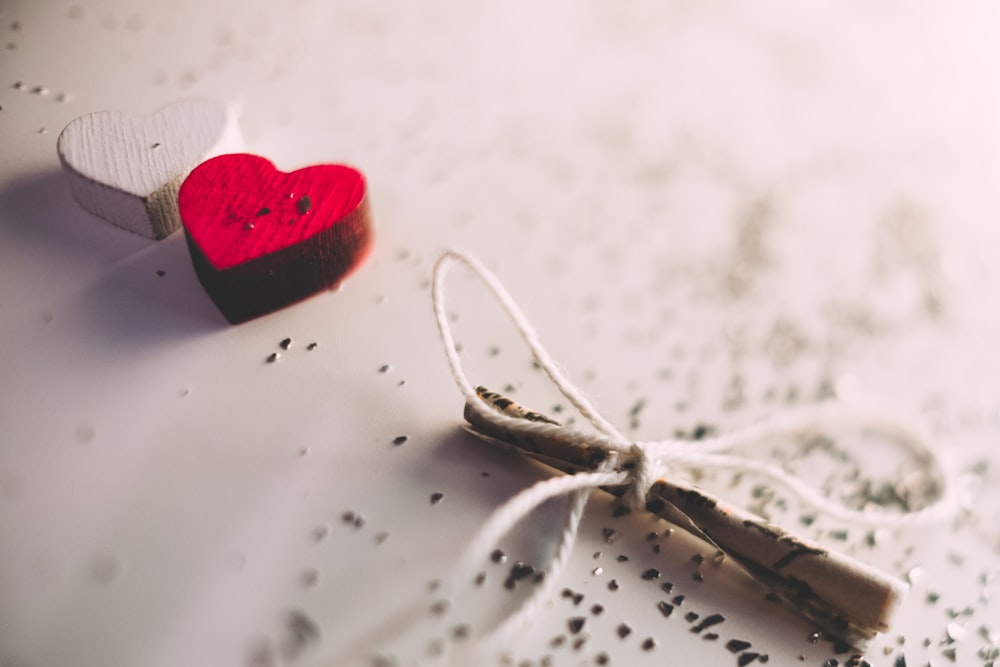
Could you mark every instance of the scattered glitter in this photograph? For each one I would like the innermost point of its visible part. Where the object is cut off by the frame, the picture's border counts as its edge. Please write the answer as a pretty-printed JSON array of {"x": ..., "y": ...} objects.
[
  {"x": 518, "y": 571},
  {"x": 273, "y": 357},
  {"x": 285, "y": 343},
  {"x": 708, "y": 622},
  {"x": 651, "y": 574},
  {"x": 667, "y": 587},
  {"x": 747, "y": 658},
  {"x": 737, "y": 645},
  {"x": 498, "y": 556},
  {"x": 312, "y": 346},
  {"x": 665, "y": 608}
]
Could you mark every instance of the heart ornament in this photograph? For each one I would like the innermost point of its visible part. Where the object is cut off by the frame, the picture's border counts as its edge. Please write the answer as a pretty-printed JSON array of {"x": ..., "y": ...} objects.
[
  {"x": 262, "y": 239},
  {"x": 127, "y": 170}
]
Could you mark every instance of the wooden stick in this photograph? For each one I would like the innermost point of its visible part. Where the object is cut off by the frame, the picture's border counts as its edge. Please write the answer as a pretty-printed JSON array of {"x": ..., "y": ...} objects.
[{"x": 848, "y": 599}]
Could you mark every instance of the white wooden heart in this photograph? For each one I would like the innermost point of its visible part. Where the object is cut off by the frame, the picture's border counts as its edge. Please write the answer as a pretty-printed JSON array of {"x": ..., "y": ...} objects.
[{"x": 127, "y": 170}]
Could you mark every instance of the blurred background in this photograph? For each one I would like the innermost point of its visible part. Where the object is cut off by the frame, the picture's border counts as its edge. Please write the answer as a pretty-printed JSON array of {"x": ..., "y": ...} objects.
[{"x": 711, "y": 211}]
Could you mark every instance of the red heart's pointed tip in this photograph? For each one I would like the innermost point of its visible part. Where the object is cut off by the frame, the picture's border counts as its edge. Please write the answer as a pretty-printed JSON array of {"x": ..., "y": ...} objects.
[{"x": 261, "y": 239}]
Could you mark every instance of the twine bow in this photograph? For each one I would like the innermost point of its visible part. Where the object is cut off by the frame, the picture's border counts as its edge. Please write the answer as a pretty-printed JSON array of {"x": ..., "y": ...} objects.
[{"x": 607, "y": 459}]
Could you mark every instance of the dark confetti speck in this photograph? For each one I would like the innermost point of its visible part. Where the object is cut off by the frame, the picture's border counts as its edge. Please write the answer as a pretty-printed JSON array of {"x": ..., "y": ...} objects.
[
  {"x": 273, "y": 357},
  {"x": 381, "y": 537},
  {"x": 900, "y": 661},
  {"x": 263, "y": 211},
  {"x": 384, "y": 368},
  {"x": 480, "y": 579},
  {"x": 610, "y": 535},
  {"x": 557, "y": 641},
  {"x": 285, "y": 343},
  {"x": 709, "y": 621},
  {"x": 359, "y": 521},
  {"x": 311, "y": 346},
  {"x": 613, "y": 585},
  {"x": 933, "y": 596},
  {"x": 746, "y": 658},
  {"x": 304, "y": 204},
  {"x": 521, "y": 570},
  {"x": 652, "y": 536},
  {"x": 624, "y": 630},
  {"x": 651, "y": 574},
  {"x": 838, "y": 535},
  {"x": 348, "y": 517},
  {"x": 698, "y": 576},
  {"x": 710, "y": 636},
  {"x": 576, "y": 624},
  {"x": 691, "y": 616},
  {"x": 597, "y": 609},
  {"x": 436, "y": 497},
  {"x": 678, "y": 600},
  {"x": 498, "y": 556},
  {"x": 623, "y": 558},
  {"x": 698, "y": 558},
  {"x": 656, "y": 548},
  {"x": 461, "y": 631},
  {"x": 602, "y": 659},
  {"x": 665, "y": 608},
  {"x": 399, "y": 439},
  {"x": 440, "y": 607},
  {"x": 737, "y": 645},
  {"x": 648, "y": 644},
  {"x": 667, "y": 587},
  {"x": 161, "y": 272}
]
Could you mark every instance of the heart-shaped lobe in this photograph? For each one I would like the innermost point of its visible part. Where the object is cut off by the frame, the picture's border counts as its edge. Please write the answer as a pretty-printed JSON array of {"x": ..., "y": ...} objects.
[
  {"x": 261, "y": 239},
  {"x": 127, "y": 170}
]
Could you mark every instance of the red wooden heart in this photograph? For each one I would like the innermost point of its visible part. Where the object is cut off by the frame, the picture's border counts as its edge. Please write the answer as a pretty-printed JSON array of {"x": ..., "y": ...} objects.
[{"x": 261, "y": 239}]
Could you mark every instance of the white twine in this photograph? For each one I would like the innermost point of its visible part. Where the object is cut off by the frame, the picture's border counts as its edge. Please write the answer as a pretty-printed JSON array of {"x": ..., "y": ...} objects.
[{"x": 649, "y": 459}]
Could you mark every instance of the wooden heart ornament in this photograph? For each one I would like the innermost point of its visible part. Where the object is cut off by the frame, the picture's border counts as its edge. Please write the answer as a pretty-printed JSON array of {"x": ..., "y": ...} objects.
[
  {"x": 261, "y": 239},
  {"x": 127, "y": 170}
]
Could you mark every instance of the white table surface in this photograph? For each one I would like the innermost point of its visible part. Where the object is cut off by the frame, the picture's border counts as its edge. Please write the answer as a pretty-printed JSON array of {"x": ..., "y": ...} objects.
[{"x": 709, "y": 210}]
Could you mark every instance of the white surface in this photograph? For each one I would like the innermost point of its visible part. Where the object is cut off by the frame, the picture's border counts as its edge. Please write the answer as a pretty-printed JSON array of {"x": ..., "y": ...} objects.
[
  {"x": 127, "y": 170},
  {"x": 710, "y": 208}
]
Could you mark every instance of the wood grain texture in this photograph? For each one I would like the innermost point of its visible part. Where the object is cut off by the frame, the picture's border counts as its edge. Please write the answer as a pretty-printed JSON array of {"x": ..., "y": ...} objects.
[
  {"x": 845, "y": 597},
  {"x": 127, "y": 170},
  {"x": 262, "y": 239}
]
